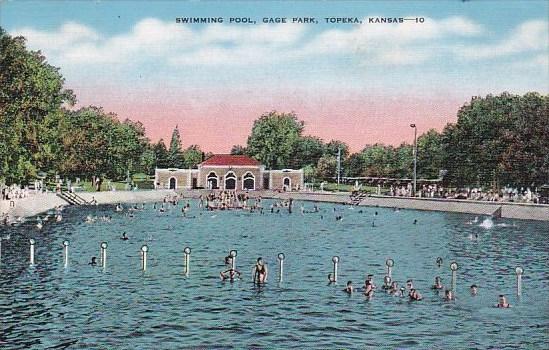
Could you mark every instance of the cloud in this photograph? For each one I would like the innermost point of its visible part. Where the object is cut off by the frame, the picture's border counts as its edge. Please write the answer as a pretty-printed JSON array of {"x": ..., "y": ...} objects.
[
  {"x": 529, "y": 36},
  {"x": 159, "y": 42}
]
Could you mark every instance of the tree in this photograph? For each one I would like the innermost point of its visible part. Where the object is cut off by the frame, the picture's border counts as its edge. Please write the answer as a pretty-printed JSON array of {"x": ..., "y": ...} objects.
[
  {"x": 377, "y": 160},
  {"x": 430, "y": 155},
  {"x": 192, "y": 156},
  {"x": 30, "y": 89},
  {"x": 354, "y": 165},
  {"x": 327, "y": 167},
  {"x": 332, "y": 147},
  {"x": 161, "y": 154},
  {"x": 238, "y": 150},
  {"x": 175, "y": 154},
  {"x": 497, "y": 141},
  {"x": 273, "y": 138},
  {"x": 308, "y": 150}
]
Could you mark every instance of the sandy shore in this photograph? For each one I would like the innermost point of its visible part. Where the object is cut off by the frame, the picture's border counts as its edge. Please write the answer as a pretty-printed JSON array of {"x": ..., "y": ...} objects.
[{"x": 36, "y": 204}]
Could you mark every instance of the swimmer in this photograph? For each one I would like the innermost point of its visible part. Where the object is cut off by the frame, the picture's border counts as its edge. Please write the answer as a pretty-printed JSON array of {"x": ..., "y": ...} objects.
[
  {"x": 449, "y": 295},
  {"x": 228, "y": 260},
  {"x": 438, "y": 283},
  {"x": 124, "y": 236},
  {"x": 414, "y": 295},
  {"x": 415, "y": 221},
  {"x": 229, "y": 274},
  {"x": 260, "y": 272},
  {"x": 93, "y": 261},
  {"x": 502, "y": 302},
  {"x": 474, "y": 289},
  {"x": 409, "y": 285},
  {"x": 331, "y": 279},
  {"x": 119, "y": 207},
  {"x": 394, "y": 290},
  {"x": 349, "y": 288},
  {"x": 386, "y": 283},
  {"x": 368, "y": 289},
  {"x": 371, "y": 279}
]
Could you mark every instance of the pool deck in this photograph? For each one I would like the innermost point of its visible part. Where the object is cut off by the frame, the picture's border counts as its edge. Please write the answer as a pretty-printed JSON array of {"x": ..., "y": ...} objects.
[
  {"x": 497, "y": 209},
  {"x": 39, "y": 203}
]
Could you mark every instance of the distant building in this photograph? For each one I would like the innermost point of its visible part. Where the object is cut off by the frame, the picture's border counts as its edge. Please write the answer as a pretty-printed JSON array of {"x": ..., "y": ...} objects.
[{"x": 229, "y": 172}]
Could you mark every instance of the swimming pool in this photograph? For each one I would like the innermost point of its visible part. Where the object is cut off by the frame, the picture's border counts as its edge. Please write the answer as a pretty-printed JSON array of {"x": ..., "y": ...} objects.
[{"x": 84, "y": 307}]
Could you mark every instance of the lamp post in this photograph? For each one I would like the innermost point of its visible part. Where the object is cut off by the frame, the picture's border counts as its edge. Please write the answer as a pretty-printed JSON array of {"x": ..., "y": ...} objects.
[{"x": 415, "y": 158}]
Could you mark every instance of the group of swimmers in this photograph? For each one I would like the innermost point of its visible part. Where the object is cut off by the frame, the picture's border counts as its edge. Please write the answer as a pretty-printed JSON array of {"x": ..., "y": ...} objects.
[
  {"x": 259, "y": 271},
  {"x": 391, "y": 287}
]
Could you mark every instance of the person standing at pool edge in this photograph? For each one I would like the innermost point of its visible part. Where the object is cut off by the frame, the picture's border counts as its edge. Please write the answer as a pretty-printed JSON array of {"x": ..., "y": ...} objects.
[{"x": 260, "y": 271}]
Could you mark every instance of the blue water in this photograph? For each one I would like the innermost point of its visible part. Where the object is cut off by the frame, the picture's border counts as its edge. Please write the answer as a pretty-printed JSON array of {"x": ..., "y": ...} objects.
[{"x": 84, "y": 307}]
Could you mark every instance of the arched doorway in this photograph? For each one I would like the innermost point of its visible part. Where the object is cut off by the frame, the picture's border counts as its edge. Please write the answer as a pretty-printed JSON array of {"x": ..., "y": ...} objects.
[
  {"x": 173, "y": 183},
  {"x": 248, "y": 182},
  {"x": 230, "y": 181},
  {"x": 287, "y": 184},
  {"x": 212, "y": 181}
]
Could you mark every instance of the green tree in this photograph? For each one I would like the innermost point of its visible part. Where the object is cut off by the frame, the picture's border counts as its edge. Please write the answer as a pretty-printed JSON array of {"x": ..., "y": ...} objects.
[
  {"x": 326, "y": 168},
  {"x": 161, "y": 154},
  {"x": 430, "y": 155},
  {"x": 332, "y": 147},
  {"x": 354, "y": 165},
  {"x": 175, "y": 153},
  {"x": 238, "y": 150},
  {"x": 192, "y": 156},
  {"x": 30, "y": 90},
  {"x": 308, "y": 150},
  {"x": 273, "y": 139}
]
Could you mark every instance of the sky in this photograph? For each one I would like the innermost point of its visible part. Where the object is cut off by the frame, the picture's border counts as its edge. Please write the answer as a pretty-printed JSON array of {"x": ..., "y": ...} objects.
[{"x": 361, "y": 83}]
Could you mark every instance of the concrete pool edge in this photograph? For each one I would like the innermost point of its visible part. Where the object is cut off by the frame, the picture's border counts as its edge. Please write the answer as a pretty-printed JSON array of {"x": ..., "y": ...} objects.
[
  {"x": 43, "y": 202},
  {"x": 523, "y": 211}
]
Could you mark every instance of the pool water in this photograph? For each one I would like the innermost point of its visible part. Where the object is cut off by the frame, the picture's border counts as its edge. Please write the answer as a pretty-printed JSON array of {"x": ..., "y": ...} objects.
[{"x": 84, "y": 307}]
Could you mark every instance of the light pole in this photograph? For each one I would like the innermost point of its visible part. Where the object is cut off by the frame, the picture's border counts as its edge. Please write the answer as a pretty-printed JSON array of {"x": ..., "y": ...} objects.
[
  {"x": 415, "y": 158},
  {"x": 338, "y": 165}
]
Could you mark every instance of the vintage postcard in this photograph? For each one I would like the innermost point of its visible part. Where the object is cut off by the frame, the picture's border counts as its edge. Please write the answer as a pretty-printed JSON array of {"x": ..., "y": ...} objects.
[{"x": 274, "y": 174}]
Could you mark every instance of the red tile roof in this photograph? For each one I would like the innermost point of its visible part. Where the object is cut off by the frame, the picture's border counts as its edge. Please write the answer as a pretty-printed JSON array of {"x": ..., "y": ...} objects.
[{"x": 230, "y": 160}]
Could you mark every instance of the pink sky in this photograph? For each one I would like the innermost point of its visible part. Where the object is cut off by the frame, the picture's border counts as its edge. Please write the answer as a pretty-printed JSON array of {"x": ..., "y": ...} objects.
[{"x": 216, "y": 120}]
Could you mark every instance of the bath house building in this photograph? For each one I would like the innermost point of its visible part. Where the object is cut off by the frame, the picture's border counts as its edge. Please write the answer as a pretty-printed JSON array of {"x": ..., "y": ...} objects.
[{"x": 229, "y": 172}]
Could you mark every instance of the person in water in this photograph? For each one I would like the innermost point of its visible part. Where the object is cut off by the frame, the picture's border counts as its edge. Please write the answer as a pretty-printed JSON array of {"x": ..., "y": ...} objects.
[
  {"x": 228, "y": 260},
  {"x": 394, "y": 290},
  {"x": 368, "y": 289},
  {"x": 349, "y": 288},
  {"x": 93, "y": 261},
  {"x": 409, "y": 285},
  {"x": 449, "y": 295},
  {"x": 260, "y": 271},
  {"x": 331, "y": 279},
  {"x": 502, "y": 302},
  {"x": 386, "y": 283},
  {"x": 124, "y": 236},
  {"x": 438, "y": 283},
  {"x": 414, "y": 295},
  {"x": 229, "y": 274},
  {"x": 474, "y": 289},
  {"x": 371, "y": 279}
]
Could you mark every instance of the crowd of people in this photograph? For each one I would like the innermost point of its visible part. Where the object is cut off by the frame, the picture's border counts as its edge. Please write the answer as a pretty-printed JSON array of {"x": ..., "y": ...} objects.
[{"x": 505, "y": 194}]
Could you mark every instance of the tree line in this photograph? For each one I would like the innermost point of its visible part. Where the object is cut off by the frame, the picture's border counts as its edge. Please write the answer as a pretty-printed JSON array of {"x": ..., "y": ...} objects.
[{"x": 497, "y": 140}]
